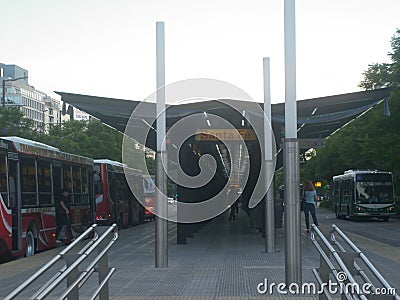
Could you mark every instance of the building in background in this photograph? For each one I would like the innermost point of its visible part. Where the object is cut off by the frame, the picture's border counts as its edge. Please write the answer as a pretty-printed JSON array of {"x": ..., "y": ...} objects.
[
  {"x": 44, "y": 110},
  {"x": 80, "y": 115}
]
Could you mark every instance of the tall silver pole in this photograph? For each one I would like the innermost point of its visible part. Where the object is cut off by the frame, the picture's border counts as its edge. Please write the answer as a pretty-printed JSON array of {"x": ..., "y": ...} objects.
[
  {"x": 161, "y": 235},
  {"x": 293, "y": 266},
  {"x": 268, "y": 161}
]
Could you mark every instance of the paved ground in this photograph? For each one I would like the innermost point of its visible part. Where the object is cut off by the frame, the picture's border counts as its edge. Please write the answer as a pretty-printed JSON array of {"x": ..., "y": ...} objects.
[{"x": 225, "y": 260}]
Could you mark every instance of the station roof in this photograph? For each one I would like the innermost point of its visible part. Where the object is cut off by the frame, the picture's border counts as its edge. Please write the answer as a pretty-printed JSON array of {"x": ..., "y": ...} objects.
[{"x": 316, "y": 118}]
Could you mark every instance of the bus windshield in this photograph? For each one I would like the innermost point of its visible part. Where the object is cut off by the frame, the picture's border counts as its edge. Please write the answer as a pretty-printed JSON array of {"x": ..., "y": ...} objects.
[{"x": 372, "y": 190}]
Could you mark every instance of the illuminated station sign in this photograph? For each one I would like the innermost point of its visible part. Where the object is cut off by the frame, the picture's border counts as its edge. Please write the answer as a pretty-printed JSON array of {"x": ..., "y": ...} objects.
[{"x": 225, "y": 135}]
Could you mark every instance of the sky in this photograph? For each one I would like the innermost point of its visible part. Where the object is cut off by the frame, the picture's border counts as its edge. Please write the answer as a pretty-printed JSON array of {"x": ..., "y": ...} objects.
[{"x": 107, "y": 48}]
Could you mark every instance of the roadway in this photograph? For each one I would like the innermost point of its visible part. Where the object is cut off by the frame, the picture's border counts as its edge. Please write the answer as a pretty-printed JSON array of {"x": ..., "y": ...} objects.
[
  {"x": 225, "y": 260},
  {"x": 384, "y": 232}
]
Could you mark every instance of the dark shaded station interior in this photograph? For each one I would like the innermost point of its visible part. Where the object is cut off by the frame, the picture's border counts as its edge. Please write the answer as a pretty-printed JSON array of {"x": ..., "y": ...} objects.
[{"x": 317, "y": 118}]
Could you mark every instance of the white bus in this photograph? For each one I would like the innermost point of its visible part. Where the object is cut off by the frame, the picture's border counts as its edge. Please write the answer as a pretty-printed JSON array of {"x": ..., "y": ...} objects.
[{"x": 364, "y": 193}]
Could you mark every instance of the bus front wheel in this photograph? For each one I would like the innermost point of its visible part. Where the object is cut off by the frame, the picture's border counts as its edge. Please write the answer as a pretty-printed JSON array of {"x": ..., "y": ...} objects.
[{"x": 30, "y": 244}]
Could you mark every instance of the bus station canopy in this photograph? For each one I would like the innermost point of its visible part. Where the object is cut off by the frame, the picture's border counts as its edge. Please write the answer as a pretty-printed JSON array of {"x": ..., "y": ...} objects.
[{"x": 317, "y": 118}]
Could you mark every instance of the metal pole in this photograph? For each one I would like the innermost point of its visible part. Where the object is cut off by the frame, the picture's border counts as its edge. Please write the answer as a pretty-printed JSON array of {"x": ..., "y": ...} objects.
[
  {"x": 293, "y": 266},
  {"x": 268, "y": 161},
  {"x": 161, "y": 234}
]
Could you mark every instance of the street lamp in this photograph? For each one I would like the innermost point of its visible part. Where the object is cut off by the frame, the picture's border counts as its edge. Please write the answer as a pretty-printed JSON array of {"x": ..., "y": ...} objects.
[{"x": 4, "y": 88}]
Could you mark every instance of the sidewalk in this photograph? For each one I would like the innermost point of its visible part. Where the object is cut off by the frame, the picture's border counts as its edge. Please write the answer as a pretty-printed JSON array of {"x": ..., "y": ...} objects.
[{"x": 225, "y": 260}]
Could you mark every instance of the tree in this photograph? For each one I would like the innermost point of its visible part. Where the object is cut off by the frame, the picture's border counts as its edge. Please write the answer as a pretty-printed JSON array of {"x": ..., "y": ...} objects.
[
  {"x": 371, "y": 141},
  {"x": 69, "y": 137},
  {"x": 91, "y": 139},
  {"x": 86, "y": 138},
  {"x": 13, "y": 123},
  {"x": 151, "y": 165},
  {"x": 384, "y": 74},
  {"x": 377, "y": 76},
  {"x": 132, "y": 156}
]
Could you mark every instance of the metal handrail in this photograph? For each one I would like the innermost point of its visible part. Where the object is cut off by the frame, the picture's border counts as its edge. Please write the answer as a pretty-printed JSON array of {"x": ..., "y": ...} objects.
[
  {"x": 356, "y": 266},
  {"x": 329, "y": 267},
  {"x": 101, "y": 285},
  {"x": 363, "y": 257},
  {"x": 332, "y": 250},
  {"x": 321, "y": 283},
  {"x": 74, "y": 265},
  {"x": 66, "y": 250},
  {"x": 71, "y": 268},
  {"x": 89, "y": 270},
  {"x": 49, "y": 264}
]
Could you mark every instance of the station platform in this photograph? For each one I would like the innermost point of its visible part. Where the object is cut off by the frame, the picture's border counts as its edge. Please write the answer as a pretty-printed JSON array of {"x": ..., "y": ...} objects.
[{"x": 225, "y": 260}]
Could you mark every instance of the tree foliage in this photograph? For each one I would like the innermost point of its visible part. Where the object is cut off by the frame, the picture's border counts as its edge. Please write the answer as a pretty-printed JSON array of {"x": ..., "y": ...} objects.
[
  {"x": 373, "y": 140},
  {"x": 86, "y": 138},
  {"x": 13, "y": 123},
  {"x": 380, "y": 75},
  {"x": 92, "y": 139},
  {"x": 377, "y": 76}
]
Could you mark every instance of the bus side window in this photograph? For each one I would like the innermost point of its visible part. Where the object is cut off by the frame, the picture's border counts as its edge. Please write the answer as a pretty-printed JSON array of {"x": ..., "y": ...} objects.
[
  {"x": 67, "y": 179},
  {"x": 352, "y": 192},
  {"x": 98, "y": 189},
  {"x": 77, "y": 184},
  {"x": 44, "y": 182},
  {"x": 85, "y": 186},
  {"x": 28, "y": 179},
  {"x": 3, "y": 179}
]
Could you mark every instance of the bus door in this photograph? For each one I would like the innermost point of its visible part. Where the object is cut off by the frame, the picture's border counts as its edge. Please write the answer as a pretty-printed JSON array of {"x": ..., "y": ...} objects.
[
  {"x": 15, "y": 201},
  {"x": 112, "y": 193},
  {"x": 92, "y": 199},
  {"x": 56, "y": 173}
]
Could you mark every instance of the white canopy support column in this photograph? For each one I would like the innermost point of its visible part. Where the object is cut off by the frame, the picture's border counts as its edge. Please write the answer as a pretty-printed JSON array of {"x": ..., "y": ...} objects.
[
  {"x": 161, "y": 232},
  {"x": 269, "y": 163},
  {"x": 293, "y": 266}
]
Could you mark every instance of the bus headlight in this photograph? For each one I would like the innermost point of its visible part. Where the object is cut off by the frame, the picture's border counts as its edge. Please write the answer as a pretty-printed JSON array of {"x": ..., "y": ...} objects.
[{"x": 360, "y": 209}]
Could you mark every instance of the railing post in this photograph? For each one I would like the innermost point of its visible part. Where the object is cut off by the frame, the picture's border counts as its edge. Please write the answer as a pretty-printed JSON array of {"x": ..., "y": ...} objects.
[
  {"x": 102, "y": 266},
  {"x": 324, "y": 272},
  {"x": 348, "y": 259},
  {"x": 103, "y": 270},
  {"x": 72, "y": 276}
]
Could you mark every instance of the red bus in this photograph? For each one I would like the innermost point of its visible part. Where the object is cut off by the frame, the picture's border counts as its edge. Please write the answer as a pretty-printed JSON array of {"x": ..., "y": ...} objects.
[
  {"x": 32, "y": 175},
  {"x": 149, "y": 191},
  {"x": 115, "y": 202}
]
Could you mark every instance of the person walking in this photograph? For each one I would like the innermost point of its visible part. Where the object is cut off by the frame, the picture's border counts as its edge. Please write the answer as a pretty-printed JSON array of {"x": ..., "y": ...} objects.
[
  {"x": 234, "y": 210},
  {"x": 310, "y": 196},
  {"x": 62, "y": 206}
]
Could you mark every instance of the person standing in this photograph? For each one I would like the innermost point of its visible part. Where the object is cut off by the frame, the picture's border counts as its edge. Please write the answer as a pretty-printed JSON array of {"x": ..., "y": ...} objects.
[
  {"x": 310, "y": 196},
  {"x": 234, "y": 210},
  {"x": 62, "y": 206}
]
